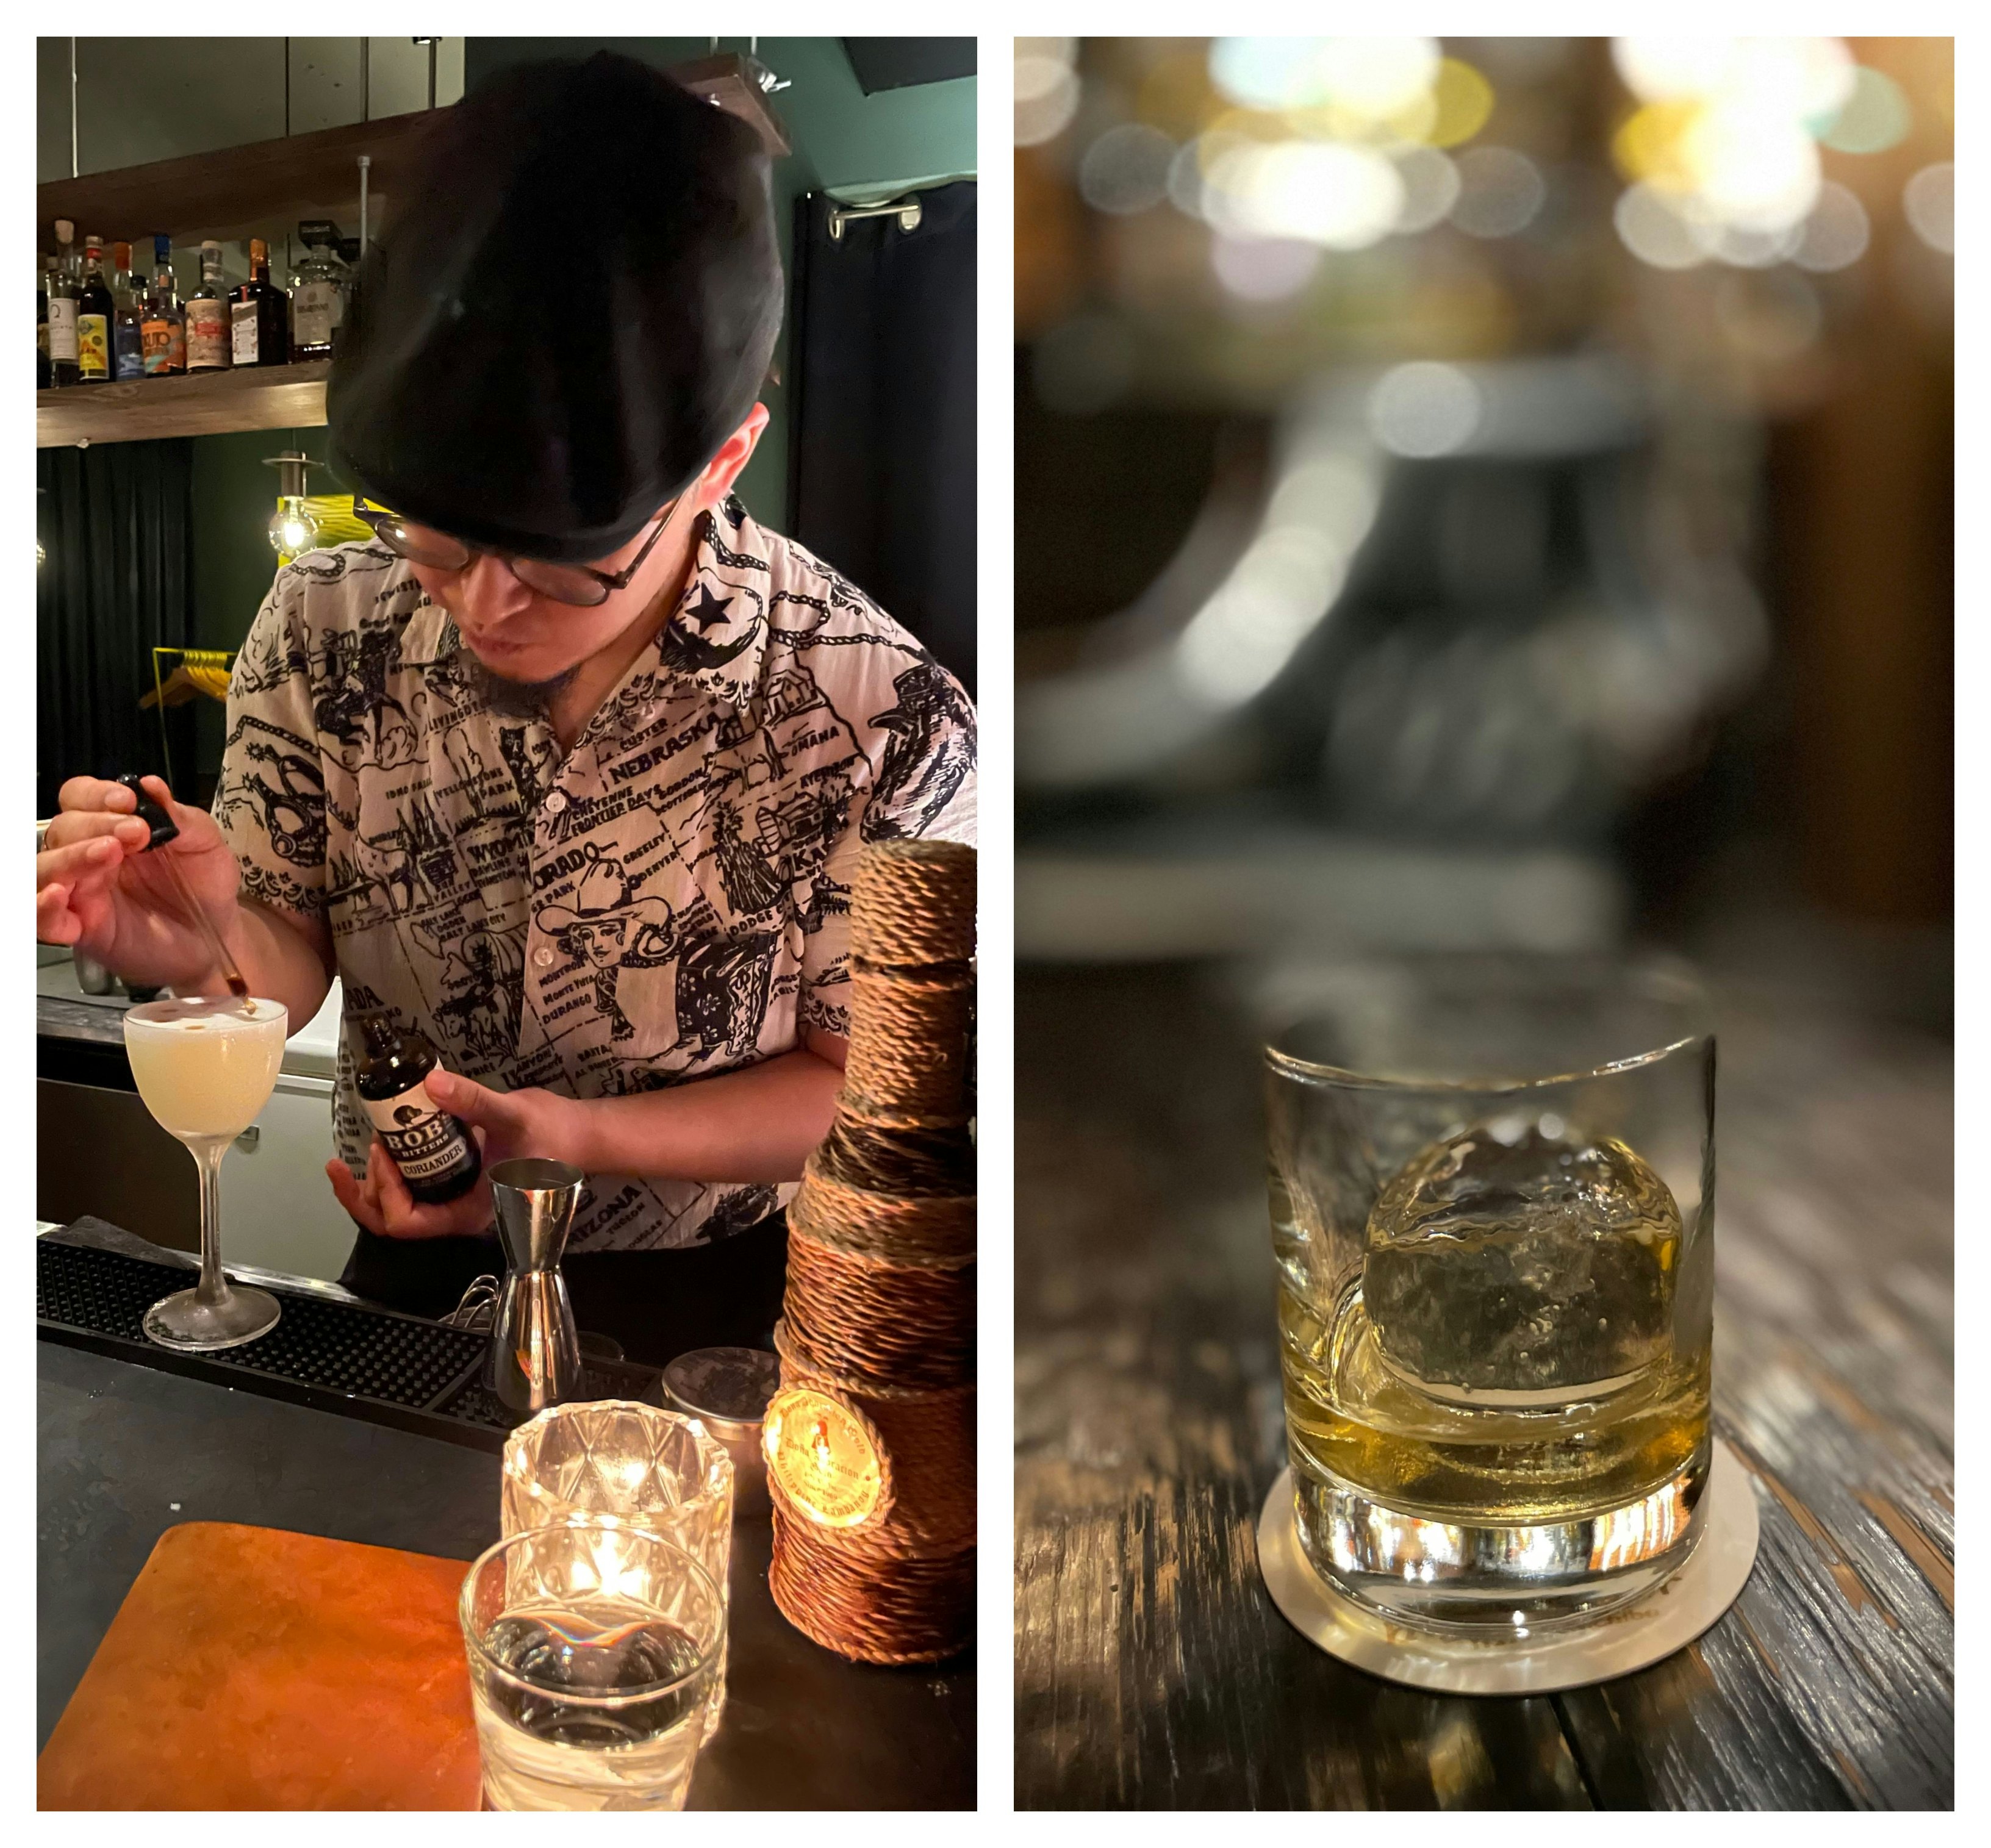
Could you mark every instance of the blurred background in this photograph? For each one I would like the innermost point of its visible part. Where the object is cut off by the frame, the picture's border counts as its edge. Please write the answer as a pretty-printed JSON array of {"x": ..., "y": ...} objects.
[
  {"x": 1478, "y": 493},
  {"x": 1484, "y": 490}
]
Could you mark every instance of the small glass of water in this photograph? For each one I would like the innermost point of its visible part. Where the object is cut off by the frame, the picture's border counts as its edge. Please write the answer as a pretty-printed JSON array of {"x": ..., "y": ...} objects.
[
  {"x": 594, "y": 1649},
  {"x": 657, "y": 1470}
]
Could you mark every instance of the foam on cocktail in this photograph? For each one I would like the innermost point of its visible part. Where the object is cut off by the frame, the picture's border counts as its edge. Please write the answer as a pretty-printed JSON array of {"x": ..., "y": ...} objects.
[{"x": 206, "y": 1068}]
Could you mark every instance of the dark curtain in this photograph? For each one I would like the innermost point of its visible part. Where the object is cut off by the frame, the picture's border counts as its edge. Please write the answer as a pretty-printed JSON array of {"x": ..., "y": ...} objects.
[
  {"x": 116, "y": 523},
  {"x": 881, "y": 447}
]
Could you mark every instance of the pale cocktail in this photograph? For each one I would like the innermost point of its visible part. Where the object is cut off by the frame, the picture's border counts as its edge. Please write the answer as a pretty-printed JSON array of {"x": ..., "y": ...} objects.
[{"x": 206, "y": 1068}]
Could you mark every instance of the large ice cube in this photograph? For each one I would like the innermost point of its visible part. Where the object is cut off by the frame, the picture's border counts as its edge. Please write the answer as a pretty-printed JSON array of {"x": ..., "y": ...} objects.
[{"x": 1521, "y": 1263}]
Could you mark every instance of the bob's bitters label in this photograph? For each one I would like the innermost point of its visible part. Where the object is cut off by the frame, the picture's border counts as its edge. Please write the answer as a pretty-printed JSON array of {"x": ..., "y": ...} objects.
[{"x": 427, "y": 1142}]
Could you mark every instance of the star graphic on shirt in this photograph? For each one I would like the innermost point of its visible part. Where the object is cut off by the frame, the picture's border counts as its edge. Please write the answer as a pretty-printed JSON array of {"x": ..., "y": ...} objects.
[{"x": 708, "y": 610}]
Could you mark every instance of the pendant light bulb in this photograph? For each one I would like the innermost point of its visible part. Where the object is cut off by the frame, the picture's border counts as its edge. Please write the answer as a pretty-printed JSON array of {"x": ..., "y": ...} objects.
[{"x": 292, "y": 528}]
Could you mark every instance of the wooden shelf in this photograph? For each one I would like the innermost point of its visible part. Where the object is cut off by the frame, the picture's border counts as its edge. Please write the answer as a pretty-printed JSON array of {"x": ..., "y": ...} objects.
[
  {"x": 279, "y": 397},
  {"x": 236, "y": 193}
]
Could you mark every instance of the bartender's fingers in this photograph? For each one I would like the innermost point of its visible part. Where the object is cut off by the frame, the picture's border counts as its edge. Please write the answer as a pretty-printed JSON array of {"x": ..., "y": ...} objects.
[
  {"x": 352, "y": 1197},
  {"x": 98, "y": 857},
  {"x": 74, "y": 826},
  {"x": 404, "y": 1216},
  {"x": 95, "y": 793},
  {"x": 476, "y": 1103},
  {"x": 54, "y": 921},
  {"x": 398, "y": 1207},
  {"x": 195, "y": 825}
]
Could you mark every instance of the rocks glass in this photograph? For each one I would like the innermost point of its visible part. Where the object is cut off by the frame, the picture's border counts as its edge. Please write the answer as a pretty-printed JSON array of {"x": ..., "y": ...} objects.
[
  {"x": 594, "y": 1649},
  {"x": 1493, "y": 1204},
  {"x": 653, "y": 1468}
]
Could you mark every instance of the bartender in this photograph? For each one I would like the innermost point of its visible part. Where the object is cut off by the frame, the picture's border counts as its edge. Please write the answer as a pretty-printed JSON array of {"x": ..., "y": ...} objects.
[{"x": 569, "y": 767}]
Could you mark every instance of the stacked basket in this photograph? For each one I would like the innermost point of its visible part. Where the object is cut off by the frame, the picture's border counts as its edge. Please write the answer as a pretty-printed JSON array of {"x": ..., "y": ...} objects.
[{"x": 871, "y": 1441}]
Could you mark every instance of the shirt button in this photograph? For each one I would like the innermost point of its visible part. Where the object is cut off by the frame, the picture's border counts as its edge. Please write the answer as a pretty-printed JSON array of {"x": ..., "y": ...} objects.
[
  {"x": 543, "y": 956},
  {"x": 556, "y": 802}
]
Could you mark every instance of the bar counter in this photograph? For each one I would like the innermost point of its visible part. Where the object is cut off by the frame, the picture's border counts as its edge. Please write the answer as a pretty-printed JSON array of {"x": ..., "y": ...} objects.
[
  {"x": 127, "y": 1449},
  {"x": 1153, "y": 1670}
]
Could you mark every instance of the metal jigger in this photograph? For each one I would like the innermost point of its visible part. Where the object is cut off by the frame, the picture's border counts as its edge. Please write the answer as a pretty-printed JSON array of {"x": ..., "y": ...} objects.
[{"x": 534, "y": 1353}]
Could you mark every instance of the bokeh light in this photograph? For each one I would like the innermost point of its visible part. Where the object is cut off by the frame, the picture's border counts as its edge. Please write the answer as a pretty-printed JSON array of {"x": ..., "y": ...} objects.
[
  {"x": 1726, "y": 141},
  {"x": 1748, "y": 246},
  {"x": 1372, "y": 79},
  {"x": 1263, "y": 269},
  {"x": 1805, "y": 80},
  {"x": 1126, "y": 169},
  {"x": 1185, "y": 180},
  {"x": 1753, "y": 166},
  {"x": 1655, "y": 230},
  {"x": 1235, "y": 645},
  {"x": 1340, "y": 197},
  {"x": 1424, "y": 408},
  {"x": 1431, "y": 188},
  {"x": 1464, "y": 104},
  {"x": 1836, "y": 234},
  {"x": 1500, "y": 192},
  {"x": 1046, "y": 89},
  {"x": 1929, "y": 199},
  {"x": 1659, "y": 69},
  {"x": 1876, "y": 116}
]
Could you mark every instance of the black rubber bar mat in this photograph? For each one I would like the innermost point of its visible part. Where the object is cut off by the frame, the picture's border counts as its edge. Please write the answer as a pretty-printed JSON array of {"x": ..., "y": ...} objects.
[{"x": 351, "y": 1358}]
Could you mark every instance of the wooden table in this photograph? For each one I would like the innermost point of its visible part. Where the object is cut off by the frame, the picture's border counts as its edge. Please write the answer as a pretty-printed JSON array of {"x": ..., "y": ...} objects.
[{"x": 1152, "y": 1669}]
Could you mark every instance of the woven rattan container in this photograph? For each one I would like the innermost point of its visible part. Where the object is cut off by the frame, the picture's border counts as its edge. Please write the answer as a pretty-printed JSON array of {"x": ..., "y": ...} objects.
[{"x": 871, "y": 1456}]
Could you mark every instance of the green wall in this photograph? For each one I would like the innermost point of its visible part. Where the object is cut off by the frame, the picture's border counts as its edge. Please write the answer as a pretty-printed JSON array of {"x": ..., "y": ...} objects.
[
  {"x": 233, "y": 565},
  {"x": 843, "y": 142}
]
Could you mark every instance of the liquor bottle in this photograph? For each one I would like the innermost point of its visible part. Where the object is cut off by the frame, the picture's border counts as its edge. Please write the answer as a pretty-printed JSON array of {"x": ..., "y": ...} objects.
[
  {"x": 127, "y": 345},
  {"x": 207, "y": 328},
  {"x": 41, "y": 322},
  {"x": 320, "y": 298},
  {"x": 164, "y": 325},
  {"x": 63, "y": 293},
  {"x": 259, "y": 314},
  {"x": 877, "y": 1331},
  {"x": 435, "y": 1152},
  {"x": 95, "y": 312}
]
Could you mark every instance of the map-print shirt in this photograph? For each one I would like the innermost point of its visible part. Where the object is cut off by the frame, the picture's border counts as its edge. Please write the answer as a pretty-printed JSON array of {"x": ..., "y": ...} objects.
[{"x": 669, "y": 900}]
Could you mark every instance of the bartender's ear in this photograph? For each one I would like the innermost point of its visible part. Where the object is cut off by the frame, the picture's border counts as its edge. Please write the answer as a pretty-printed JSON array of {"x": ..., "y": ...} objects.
[{"x": 723, "y": 470}]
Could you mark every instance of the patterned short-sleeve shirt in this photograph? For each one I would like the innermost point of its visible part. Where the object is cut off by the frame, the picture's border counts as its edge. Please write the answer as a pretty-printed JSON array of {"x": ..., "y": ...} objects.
[{"x": 669, "y": 900}]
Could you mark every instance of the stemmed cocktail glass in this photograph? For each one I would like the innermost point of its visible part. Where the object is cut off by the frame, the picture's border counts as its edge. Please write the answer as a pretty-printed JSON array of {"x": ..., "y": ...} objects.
[{"x": 206, "y": 1068}]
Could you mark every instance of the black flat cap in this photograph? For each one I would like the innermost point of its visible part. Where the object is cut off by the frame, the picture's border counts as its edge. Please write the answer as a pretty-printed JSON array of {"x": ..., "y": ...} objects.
[{"x": 570, "y": 312}]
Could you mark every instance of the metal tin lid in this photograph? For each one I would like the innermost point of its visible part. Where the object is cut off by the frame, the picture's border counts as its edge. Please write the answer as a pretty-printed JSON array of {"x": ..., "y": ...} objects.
[{"x": 728, "y": 1388}]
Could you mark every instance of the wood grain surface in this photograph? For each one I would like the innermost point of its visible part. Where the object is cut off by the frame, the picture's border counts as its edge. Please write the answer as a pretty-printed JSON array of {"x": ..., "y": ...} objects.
[
  {"x": 1153, "y": 1670},
  {"x": 199, "y": 404}
]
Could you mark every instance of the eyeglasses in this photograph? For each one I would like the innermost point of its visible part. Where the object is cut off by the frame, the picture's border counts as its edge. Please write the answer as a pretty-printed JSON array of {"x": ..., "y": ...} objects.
[{"x": 581, "y": 585}]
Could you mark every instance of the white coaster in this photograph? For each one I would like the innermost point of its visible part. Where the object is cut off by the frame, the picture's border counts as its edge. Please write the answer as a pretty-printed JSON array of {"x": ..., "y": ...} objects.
[{"x": 1634, "y": 1637}]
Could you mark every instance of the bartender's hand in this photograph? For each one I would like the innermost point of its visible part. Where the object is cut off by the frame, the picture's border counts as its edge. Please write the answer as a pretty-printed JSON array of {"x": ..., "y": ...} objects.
[
  {"x": 97, "y": 891},
  {"x": 505, "y": 1123}
]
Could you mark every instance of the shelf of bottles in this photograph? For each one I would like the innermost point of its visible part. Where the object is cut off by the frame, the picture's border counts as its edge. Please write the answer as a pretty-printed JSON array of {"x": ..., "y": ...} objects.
[{"x": 121, "y": 359}]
